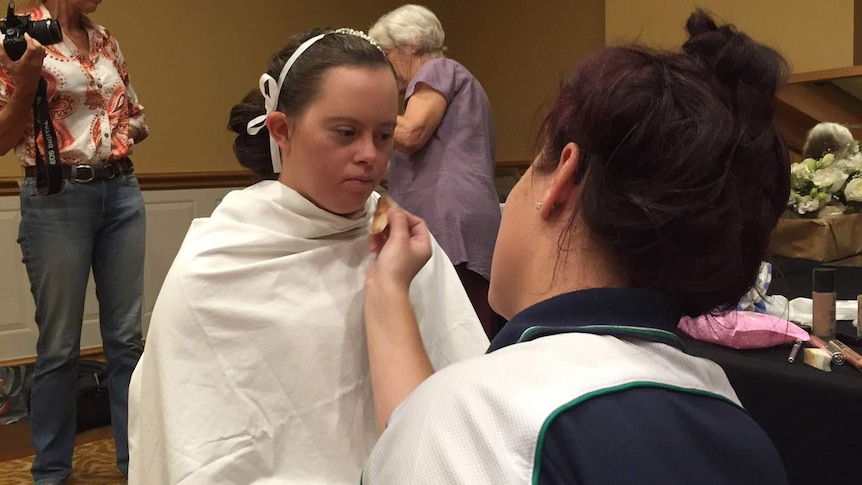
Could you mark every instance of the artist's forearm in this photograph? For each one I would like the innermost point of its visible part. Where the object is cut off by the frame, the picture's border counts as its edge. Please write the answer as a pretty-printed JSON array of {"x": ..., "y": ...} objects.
[{"x": 397, "y": 358}]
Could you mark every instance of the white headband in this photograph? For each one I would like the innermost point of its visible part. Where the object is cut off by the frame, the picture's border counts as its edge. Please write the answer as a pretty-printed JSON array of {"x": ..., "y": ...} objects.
[{"x": 272, "y": 89}]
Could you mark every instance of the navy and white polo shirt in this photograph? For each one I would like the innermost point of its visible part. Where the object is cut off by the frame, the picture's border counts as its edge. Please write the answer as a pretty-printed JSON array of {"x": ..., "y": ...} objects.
[{"x": 589, "y": 387}]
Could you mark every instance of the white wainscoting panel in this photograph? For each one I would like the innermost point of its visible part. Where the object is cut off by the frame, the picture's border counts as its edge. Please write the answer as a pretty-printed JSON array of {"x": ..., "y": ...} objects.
[
  {"x": 16, "y": 303},
  {"x": 169, "y": 214}
]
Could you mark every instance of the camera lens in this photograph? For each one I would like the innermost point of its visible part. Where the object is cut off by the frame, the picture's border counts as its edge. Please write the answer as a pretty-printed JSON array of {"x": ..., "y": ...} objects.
[{"x": 46, "y": 31}]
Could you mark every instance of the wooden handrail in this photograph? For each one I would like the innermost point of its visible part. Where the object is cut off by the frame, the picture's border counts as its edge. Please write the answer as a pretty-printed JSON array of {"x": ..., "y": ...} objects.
[
  {"x": 825, "y": 75},
  {"x": 809, "y": 98}
]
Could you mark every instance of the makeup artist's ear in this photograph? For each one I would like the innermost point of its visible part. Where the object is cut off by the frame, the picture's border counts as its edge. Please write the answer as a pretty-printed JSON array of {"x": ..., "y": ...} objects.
[
  {"x": 280, "y": 128},
  {"x": 562, "y": 188}
]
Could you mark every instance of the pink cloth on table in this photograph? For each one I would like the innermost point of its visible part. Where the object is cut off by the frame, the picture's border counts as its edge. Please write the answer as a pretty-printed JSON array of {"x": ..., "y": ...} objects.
[{"x": 742, "y": 330}]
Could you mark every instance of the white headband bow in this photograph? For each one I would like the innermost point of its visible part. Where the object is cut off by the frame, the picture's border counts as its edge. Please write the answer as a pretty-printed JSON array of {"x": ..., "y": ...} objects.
[{"x": 272, "y": 89}]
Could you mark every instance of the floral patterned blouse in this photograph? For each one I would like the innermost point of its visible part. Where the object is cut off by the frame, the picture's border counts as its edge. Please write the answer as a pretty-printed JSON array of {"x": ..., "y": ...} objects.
[{"x": 92, "y": 102}]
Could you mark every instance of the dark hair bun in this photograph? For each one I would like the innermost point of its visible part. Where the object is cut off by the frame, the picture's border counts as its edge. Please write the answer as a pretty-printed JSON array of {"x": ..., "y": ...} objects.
[
  {"x": 252, "y": 151},
  {"x": 683, "y": 174},
  {"x": 751, "y": 74},
  {"x": 735, "y": 59}
]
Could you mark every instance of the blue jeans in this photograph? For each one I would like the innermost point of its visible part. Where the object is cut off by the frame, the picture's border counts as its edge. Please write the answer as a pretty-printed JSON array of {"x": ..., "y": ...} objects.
[{"x": 100, "y": 225}]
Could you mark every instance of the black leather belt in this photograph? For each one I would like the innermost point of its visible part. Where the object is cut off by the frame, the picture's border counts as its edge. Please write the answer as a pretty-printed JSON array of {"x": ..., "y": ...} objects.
[{"x": 84, "y": 174}]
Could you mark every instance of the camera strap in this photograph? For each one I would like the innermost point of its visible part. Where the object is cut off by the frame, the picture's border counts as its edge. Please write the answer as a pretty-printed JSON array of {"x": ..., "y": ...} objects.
[{"x": 49, "y": 178}]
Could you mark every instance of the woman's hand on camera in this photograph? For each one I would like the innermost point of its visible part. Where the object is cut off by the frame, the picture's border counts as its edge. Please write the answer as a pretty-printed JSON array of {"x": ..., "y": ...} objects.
[
  {"x": 402, "y": 250},
  {"x": 25, "y": 71}
]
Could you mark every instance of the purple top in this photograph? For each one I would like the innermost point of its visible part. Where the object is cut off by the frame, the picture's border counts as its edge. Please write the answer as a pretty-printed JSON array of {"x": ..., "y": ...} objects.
[{"x": 450, "y": 181}]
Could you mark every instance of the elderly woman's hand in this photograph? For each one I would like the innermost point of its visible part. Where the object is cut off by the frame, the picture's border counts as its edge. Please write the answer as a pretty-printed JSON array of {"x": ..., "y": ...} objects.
[
  {"x": 402, "y": 250},
  {"x": 25, "y": 71}
]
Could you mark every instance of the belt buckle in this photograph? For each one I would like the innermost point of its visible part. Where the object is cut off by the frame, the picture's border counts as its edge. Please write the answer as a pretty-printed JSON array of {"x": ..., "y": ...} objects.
[{"x": 83, "y": 180}]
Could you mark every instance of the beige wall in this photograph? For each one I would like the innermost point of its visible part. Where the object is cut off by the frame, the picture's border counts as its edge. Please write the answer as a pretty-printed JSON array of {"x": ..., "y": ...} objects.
[
  {"x": 191, "y": 61},
  {"x": 857, "y": 32},
  {"x": 812, "y": 35},
  {"x": 191, "y": 64},
  {"x": 519, "y": 51}
]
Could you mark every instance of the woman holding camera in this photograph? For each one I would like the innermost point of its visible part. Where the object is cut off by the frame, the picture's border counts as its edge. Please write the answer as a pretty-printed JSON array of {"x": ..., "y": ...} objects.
[{"x": 94, "y": 220}]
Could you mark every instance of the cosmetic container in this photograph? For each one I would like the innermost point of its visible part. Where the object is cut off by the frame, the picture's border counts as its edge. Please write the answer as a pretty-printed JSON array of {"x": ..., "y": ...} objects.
[{"x": 823, "y": 303}]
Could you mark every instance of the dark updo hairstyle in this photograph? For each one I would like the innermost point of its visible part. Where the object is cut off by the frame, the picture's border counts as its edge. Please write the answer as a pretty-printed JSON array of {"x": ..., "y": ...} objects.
[
  {"x": 301, "y": 86},
  {"x": 683, "y": 173}
]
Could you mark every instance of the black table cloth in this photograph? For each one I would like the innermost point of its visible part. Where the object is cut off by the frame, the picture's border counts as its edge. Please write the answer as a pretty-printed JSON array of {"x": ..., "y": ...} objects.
[{"x": 814, "y": 418}]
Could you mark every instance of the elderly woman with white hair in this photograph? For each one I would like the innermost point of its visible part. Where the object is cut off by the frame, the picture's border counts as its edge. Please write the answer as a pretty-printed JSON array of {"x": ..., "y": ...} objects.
[{"x": 443, "y": 166}]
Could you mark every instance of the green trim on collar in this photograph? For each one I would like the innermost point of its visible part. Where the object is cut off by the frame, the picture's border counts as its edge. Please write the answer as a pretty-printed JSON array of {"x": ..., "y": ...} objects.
[
  {"x": 637, "y": 332},
  {"x": 537, "y": 458}
]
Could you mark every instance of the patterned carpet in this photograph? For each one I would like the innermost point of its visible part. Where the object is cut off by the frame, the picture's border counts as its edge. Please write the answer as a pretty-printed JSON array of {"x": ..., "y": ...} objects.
[{"x": 93, "y": 464}]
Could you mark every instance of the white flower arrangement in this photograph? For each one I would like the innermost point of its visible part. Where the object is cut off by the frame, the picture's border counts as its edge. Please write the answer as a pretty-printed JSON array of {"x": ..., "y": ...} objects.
[
  {"x": 825, "y": 186},
  {"x": 828, "y": 181}
]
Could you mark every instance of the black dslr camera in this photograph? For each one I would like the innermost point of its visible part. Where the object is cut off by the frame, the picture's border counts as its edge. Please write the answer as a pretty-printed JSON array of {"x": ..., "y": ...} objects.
[{"x": 15, "y": 26}]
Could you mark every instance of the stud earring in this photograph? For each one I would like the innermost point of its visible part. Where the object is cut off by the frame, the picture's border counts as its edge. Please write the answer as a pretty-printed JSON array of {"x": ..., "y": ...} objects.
[{"x": 539, "y": 206}]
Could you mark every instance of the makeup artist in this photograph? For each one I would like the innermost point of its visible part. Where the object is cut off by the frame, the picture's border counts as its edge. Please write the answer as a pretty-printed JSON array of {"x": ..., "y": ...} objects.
[{"x": 659, "y": 181}]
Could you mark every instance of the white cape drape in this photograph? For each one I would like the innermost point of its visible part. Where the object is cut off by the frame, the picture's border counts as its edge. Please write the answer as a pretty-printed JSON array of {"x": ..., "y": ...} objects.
[{"x": 255, "y": 368}]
